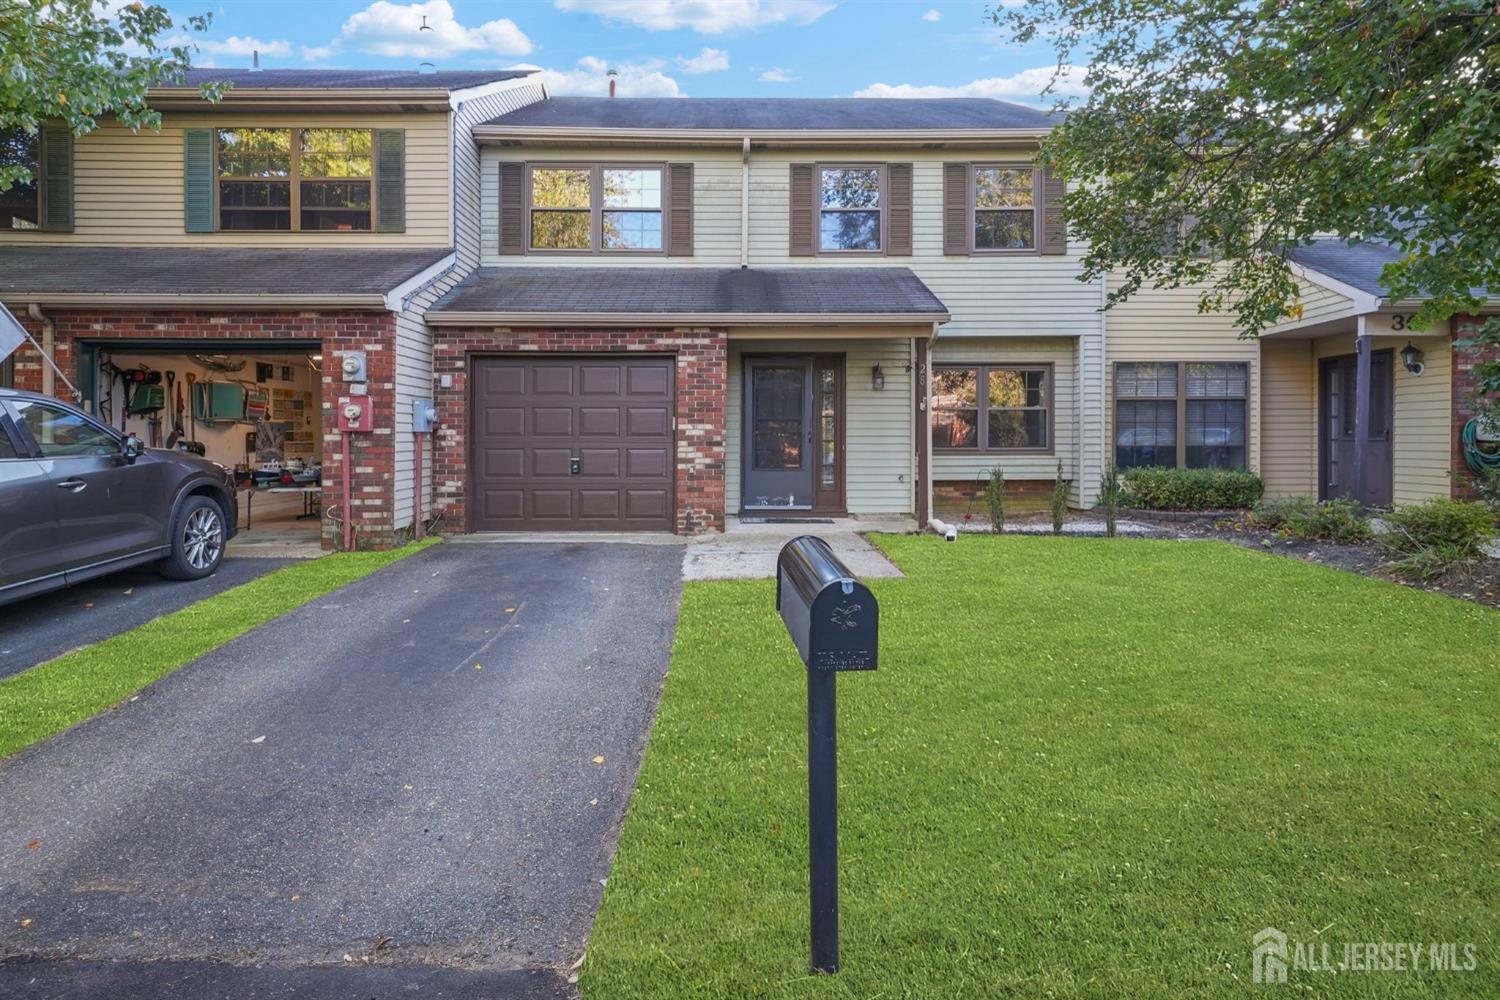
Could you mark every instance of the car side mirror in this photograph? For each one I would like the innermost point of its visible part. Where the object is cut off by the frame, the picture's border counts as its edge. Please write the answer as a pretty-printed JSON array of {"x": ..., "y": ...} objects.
[{"x": 131, "y": 448}]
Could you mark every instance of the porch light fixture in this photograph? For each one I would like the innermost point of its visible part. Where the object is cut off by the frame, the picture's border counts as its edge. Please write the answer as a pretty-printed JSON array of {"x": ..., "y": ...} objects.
[
  {"x": 877, "y": 378},
  {"x": 1412, "y": 359}
]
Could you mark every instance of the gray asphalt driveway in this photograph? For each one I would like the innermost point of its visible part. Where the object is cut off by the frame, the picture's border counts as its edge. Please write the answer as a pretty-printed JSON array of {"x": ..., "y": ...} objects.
[
  {"x": 428, "y": 766},
  {"x": 48, "y": 625}
]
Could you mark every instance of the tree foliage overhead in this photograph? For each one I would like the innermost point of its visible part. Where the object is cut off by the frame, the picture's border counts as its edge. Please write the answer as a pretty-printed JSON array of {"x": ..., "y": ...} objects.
[
  {"x": 77, "y": 60},
  {"x": 1267, "y": 123}
]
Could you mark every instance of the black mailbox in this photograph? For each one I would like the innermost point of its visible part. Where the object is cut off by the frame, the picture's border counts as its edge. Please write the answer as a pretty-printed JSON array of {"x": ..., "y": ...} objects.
[{"x": 832, "y": 617}]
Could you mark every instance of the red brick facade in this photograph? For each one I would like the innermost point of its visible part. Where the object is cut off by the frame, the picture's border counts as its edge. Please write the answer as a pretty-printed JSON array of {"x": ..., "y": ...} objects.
[
  {"x": 373, "y": 455},
  {"x": 702, "y": 359},
  {"x": 1464, "y": 384}
]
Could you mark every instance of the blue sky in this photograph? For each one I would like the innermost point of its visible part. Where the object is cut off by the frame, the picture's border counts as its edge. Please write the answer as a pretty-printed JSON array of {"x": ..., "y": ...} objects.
[{"x": 662, "y": 48}]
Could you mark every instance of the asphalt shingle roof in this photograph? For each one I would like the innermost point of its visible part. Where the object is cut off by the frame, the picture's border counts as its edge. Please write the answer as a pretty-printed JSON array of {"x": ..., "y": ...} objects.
[
  {"x": 1356, "y": 264},
  {"x": 753, "y": 114},
  {"x": 347, "y": 79},
  {"x": 692, "y": 290},
  {"x": 208, "y": 270}
]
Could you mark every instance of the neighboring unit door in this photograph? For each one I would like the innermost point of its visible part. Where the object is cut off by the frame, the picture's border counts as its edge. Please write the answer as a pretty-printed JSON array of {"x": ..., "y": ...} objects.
[
  {"x": 779, "y": 434},
  {"x": 107, "y": 508},
  {"x": 573, "y": 442},
  {"x": 28, "y": 516},
  {"x": 1337, "y": 380}
]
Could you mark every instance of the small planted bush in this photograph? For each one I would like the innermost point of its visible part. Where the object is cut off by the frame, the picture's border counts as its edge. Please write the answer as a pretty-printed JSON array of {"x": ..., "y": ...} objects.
[
  {"x": 1280, "y": 513},
  {"x": 1192, "y": 489},
  {"x": 1455, "y": 527},
  {"x": 1339, "y": 520},
  {"x": 1059, "y": 501},
  {"x": 994, "y": 499},
  {"x": 1111, "y": 492}
]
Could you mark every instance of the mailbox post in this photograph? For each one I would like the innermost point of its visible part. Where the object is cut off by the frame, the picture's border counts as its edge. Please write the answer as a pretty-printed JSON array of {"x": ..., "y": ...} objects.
[{"x": 834, "y": 621}]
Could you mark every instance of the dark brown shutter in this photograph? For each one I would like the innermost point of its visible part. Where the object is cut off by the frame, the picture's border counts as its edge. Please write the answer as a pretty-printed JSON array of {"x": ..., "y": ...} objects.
[
  {"x": 800, "y": 224},
  {"x": 390, "y": 180},
  {"x": 957, "y": 212},
  {"x": 680, "y": 210},
  {"x": 512, "y": 208},
  {"x": 898, "y": 198},
  {"x": 57, "y": 178},
  {"x": 1053, "y": 238}
]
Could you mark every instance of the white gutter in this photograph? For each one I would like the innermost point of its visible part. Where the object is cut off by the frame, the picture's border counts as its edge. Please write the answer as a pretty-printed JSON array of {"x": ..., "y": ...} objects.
[
  {"x": 501, "y": 133},
  {"x": 457, "y": 317},
  {"x": 266, "y": 300},
  {"x": 398, "y": 298}
]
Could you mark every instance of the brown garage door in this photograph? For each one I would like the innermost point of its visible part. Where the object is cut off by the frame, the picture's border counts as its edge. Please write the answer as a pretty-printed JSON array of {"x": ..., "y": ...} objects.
[{"x": 570, "y": 442}]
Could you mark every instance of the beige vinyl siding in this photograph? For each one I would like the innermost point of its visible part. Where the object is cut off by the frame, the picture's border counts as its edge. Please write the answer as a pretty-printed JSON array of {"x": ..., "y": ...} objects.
[
  {"x": 880, "y": 452},
  {"x": 1163, "y": 324},
  {"x": 1062, "y": 354},
  {"x": 128, "y": 187},
  {"x": 1289, "y": 418},
  {"x": 413, "y": 340},
  {"x": 1319, "y": 305},
  {"x": 1421, "y": 446}
]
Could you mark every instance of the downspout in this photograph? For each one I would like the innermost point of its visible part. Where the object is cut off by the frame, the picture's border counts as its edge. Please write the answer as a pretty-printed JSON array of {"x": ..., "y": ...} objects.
[
  {"x": 49, "y": 338},
  {"x": 948, "y": 531},
  {"x": 745, "y": 202}
]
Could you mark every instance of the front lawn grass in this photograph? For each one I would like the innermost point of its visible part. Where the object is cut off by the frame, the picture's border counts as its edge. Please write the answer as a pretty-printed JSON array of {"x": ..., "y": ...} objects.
[
  {"x": 1085, "y": 768},
  {"x": 52, "y": 696}
]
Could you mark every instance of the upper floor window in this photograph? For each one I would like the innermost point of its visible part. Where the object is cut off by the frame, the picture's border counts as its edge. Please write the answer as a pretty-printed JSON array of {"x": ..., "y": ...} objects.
[
  {"x": 286, "y": 179},
  {"x": 1004, "y": 208},
  {"x": 588, "y": 208},
  {"x": 20, "y": 204},
  {"x": 849, "y": 207}
]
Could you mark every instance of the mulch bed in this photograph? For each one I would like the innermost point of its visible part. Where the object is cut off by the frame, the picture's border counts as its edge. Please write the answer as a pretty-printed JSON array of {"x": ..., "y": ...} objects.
[{"x": 1480, "y": 584}]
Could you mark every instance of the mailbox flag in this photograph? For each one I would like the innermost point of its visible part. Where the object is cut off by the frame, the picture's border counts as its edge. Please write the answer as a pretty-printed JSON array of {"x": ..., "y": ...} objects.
[{"x": 12, "y": 333}]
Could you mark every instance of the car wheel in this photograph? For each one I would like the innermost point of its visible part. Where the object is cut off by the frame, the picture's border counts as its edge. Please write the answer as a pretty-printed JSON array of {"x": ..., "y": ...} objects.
[{"x": 197, "y": 541}]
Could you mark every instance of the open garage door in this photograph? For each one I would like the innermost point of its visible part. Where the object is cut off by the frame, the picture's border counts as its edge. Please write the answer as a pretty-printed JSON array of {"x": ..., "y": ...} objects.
[{"x": 572, "y": 442}]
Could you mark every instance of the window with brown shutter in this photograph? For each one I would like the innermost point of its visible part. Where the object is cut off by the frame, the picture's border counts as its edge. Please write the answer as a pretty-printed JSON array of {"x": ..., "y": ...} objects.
[
  {"x": 512, "y": 208},
  {"x": 1054, "y": 239},
  {"x": 957, "y": 219},
  {"x": 680, "y": 209},
  {"x": 898, "y": 225},
  {"x": 800, "y": 223}
]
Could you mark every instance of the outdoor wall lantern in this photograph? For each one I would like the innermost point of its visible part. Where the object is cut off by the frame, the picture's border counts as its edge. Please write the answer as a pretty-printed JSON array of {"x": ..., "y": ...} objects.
[
  {"x": 1412, "y": 359},
  {"x": 877, "y": 378}
]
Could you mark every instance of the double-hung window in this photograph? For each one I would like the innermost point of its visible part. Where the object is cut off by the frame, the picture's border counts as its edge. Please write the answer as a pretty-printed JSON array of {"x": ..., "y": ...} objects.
[
  {"x": 295, "y": 179},
  {"x": 1181, "y": 414},
  {"x": 596, "y": 208},
  {"x": 849, "y": 209},
  {"x": 20, "y": 204},
  {"x": 1004, "y": 207},
  {"x": 995, "y": 408}
]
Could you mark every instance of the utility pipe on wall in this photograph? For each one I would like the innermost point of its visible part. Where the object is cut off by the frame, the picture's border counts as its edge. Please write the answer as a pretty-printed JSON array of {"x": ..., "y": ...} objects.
[
  {"x": 416, "y": 451},
  {"x": 49, "y": 340},
  {"x": 745, "y": 202},
  {"x": 346, "y": 477}
]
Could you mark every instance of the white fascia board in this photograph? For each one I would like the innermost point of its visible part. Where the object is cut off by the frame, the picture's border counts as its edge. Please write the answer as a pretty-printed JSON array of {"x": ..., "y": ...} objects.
[
  {"x": 395, "y": 299},
  {"x": 1364, "y": 302},
  {"x": 457, "y": 97}
]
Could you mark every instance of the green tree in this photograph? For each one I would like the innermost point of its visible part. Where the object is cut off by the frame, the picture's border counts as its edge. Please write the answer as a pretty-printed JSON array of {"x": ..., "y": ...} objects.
[
  {"x": 78, "y": 60},
  {"x": 1264, "y": 123}
]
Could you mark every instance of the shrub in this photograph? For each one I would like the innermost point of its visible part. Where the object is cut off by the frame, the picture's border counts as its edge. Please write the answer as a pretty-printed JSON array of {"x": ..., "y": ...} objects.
[
  {"x": 1433, "y": 563},
  {"x": 1488, "y": 488},
  {"x": 1339, "y": 520},
  {"x": 1453, "y": 526},
  {"x": 1192, "y": 489},
  {"x": 1059, "y": 501},
  {"x": 1278, "y": 514},
  {"x": 1110, "y": 495},
  {"x": 994, "y": 498}
]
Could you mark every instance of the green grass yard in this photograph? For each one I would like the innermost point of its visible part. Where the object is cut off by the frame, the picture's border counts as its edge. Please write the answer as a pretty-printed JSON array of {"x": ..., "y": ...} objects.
[
  {"x": 1085, "y": 768},
  {"x": 52, "y": 696}
]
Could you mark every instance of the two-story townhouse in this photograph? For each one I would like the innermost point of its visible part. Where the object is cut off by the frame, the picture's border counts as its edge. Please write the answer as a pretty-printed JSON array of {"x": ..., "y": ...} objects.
[
  {"x": 236, "y": 255},
  {"x": 688, "y": 310}
]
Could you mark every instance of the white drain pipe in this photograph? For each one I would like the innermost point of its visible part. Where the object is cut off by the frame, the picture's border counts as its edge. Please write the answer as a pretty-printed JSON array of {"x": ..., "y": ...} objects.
[{"x": 948, "y": 531}]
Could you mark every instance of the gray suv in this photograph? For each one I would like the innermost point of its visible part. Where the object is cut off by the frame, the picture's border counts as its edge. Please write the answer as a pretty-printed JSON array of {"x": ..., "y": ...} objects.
[{"x": 79, "y": 499}]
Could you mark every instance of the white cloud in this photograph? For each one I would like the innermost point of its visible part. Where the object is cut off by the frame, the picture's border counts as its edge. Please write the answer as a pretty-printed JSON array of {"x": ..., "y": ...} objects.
[
  {"x": 243, "y": 45},
  {"x": 396, "y": 30},
  {"x": 707, "y": 17},
  {"x": 588, "y": 78},
  {"x": 933, "y": 15},
  {"x": 777, "y": 75},
  {"x": 1028, "y": 83},
  {"x": 317, "y": 53},
  {"x": 707, "y": 61}
]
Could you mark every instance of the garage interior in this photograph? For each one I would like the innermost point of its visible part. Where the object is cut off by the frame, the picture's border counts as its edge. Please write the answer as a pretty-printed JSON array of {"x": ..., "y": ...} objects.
[{"x": 253, "y": 410}]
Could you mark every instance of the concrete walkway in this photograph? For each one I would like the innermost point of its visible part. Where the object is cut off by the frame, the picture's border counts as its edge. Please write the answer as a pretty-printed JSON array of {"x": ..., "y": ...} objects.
[
  {"x": 423, "y": 771},
  {"x": 748, "y": 551}
]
